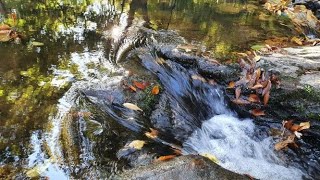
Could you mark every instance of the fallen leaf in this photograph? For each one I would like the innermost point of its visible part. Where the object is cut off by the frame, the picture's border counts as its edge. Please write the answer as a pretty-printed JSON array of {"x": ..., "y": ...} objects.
[
  {"x": 155, "y": 90},
  {"x": 210, "y": 156},
  {"x": 267, "y": 88},
  {"x": 238, "y": 92},
  {"x": 197, "y": 77},
  {"x": 165, "y": 158},
  {"x": 254, "y": 98},
  {"x": 257, "y": 86},
  {"x": 257, "y": 58},
  {"x": 176, "y": 151},
  {"x": 257, "y": 112},
  {"x": 132, "y": 106},
  {"x": 297, "y": 41},
  {"x": 139, "y": 85},
  {"x": 304, "y": 125},
  {"x": 152, "y": 134},
  {"x": 266, "y": 98},
  {"x": 231, "y": 85},
  {"x": 240, "y": 101},
  {"x": 133, "y": 88},
  {"x": 4, "y": 27},
  {"x": 37, "y": 44},
  {"x": 282, "y": 144},
  {"x": 137, "y": 144},
  {"x": 5, "y": 35},
  {"x": 258, "y": 73}
]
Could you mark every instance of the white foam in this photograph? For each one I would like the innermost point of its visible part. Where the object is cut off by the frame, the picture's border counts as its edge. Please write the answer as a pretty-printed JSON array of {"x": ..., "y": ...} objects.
[{"x": 232, "y": 142}]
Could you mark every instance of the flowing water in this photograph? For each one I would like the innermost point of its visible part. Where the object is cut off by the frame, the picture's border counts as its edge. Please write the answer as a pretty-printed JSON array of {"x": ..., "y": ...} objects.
[{"x": 61, "y": 112}]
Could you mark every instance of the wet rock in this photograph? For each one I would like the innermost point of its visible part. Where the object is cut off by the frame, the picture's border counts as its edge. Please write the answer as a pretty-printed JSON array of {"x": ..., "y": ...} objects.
[{"x": 184, "y": 167}]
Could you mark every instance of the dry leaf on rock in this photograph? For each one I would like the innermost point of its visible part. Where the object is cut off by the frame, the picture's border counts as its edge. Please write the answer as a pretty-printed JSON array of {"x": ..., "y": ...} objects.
[
  {"x": 155, "y": 90},
  {"x": 257, "y": 112},
  {"x": 152, "y": 134},
  {"x": 304, "y": 125},
  {"x": 210, "y": 156},
  {"x": 139, "y": 85},
  {"x": 165, "y": 158},
  {"x": 231, "y": 85},
  {"x": 254, "y": 98},
  {"x": 137, "y": 144},
  {"x": 132, "y": 106},
  {"x": 282, "y": 144}
]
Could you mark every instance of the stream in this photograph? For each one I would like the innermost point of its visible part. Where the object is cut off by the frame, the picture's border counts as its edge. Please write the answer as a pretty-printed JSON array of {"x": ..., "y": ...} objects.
[{"x": 62, "y": 113}]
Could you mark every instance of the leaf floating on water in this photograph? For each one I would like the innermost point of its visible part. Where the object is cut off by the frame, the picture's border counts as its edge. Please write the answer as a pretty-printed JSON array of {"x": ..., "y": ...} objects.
[
  {"x": 152, "y": 134},
  {"x": 155, "y": 90},
  {"x": 137, "y": 144},
  {"x": 238, "y": 92},
  {"x": 210, "y": 156},
  {"x": 166, "y": 158},
  {"x": 132, "y": 106},
  {"x": 304, "y": 125},
  {"x": 139, "y": 85},
  {"x": 254, "y": 98},
  {"x": 231, "y": 85},
  {"x": 257, "y": 112}
]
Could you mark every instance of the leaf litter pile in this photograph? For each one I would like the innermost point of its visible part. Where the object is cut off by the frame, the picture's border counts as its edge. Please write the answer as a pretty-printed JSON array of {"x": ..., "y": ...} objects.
[{"x": 258, "y": 83}]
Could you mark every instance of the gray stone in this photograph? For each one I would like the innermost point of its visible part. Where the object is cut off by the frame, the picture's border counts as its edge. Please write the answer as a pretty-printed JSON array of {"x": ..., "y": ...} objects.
[{"x": 191, "y": 167}]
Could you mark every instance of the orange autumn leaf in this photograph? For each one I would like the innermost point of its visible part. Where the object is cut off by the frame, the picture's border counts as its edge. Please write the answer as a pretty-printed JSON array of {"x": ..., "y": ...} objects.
[
  {"x": 165, "y": 158},
  {"x": 177, "y": 151},
  {"x": 257, "y": 112},
  {"x": 266, "y": 98},
  {"x": 139, "y": 85},
  {"x": 152, "y": 134},
  {"x": 155, "y": 90},
  {"x": 240, "y": 101},
  {"x": 254, "y": 98},
  {"x": 133, "y": 88},
  {"x": 231, "y": 85}
]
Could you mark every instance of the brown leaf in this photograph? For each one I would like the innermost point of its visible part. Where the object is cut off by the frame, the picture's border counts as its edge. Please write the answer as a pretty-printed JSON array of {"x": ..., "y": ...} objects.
[
  {"x": 257, "y": 112},
  {"x": 297, "y": 41},
  {"x": 5, "y": 35},
  {"x": 258, "y": 74},
  {"x": 231, "y": 85},
  {"x": 257, "y": 86},
  {"x": 267, "y": 88},
  {"x": 139, "y": 85},
  {"x": 152, "y": 134},
  {"x": 288, "y": 124},
  {"x": 4, "y": 27},
  {"x": 177, "y": 151},
  {"x": 240, "y": 101},
  {"x": 254, "y": 98},
  {"x": 132, "y": 88},
  {"x": 266, "y": 98},
  {"x": 238, "y": 92},
  {"x": 282, "y": 144},
  {"x": 165, "y": 158},
  {"x": 155, "y": 90}
]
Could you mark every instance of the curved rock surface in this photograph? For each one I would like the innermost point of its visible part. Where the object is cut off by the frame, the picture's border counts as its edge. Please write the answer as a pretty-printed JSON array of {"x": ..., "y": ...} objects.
[{"x": 191, "y": 167}]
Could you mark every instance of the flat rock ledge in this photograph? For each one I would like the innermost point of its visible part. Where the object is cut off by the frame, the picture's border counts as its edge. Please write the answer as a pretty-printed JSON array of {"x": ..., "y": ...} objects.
[{"x": 189, "y": 167}]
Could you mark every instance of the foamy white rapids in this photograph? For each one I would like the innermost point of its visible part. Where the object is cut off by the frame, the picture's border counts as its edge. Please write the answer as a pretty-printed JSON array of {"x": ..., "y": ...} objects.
[{"x": 232, "y": 141}]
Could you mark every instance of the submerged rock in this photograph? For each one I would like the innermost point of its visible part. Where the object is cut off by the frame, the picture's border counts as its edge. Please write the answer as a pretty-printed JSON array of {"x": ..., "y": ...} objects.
[{"x": 191, "y": 167}]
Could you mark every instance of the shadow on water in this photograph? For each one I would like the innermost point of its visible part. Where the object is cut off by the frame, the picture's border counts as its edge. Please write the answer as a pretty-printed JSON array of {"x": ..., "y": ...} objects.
[{"x": 62, "y": 111}]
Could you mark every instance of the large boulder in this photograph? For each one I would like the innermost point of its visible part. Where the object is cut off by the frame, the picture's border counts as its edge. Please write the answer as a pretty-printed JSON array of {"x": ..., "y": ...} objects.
[{"x": 191, "y": 167}]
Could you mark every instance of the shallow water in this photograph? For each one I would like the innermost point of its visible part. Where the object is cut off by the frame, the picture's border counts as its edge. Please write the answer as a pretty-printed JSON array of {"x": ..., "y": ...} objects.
[{"x": 46, "y": 128}]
